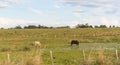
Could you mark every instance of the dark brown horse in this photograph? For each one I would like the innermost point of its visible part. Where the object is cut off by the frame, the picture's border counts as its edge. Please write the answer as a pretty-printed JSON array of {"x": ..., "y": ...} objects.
[{"x": 75, "y": 42}]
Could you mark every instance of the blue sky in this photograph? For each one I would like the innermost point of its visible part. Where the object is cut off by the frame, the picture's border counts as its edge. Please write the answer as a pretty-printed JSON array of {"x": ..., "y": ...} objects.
[{"x": 59, "y": 12}]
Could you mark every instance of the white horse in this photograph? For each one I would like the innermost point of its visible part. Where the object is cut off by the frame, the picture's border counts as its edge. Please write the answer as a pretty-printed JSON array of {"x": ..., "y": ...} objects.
[{"x": 37, "y": 43}]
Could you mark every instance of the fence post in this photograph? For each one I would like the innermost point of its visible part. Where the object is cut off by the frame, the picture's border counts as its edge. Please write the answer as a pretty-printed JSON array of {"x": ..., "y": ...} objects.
[
  {"x": 8, "y": 57},
  {"x": 51, "y": 56},
  {"x": 117, "y": 55},
  {"x": 84, "y": 54}
]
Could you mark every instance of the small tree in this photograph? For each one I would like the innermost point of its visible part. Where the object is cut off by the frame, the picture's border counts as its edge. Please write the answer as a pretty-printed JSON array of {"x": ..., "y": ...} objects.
[
  {"x": 18, "y": 27},
  {"x": 96, "y": 26},
  {"x": 84, "y": 26},
  {"x": 30, "y": 27},
  {"x": 103, "y": 26},
  {"x": 63, "y": 27}
]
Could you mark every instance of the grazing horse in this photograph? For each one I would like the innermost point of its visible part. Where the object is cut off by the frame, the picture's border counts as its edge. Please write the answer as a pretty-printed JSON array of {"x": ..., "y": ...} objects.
[
  {"x": 75, "y": 42},
  {"x": 37, "y": 44}
]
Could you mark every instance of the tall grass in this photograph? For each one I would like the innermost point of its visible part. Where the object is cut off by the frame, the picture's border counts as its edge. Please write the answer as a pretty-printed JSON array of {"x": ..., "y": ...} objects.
[
  {"x": 23, "y": 58},
  {"x": 61, "y": 57}
]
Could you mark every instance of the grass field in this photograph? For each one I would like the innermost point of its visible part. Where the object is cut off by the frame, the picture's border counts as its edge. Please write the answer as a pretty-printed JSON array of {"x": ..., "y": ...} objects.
[{"x": 17, "y": 43}]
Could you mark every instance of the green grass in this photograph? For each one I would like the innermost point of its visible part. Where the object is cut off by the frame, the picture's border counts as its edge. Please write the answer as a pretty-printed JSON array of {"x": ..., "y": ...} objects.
[{"x": 18, "y": 43}]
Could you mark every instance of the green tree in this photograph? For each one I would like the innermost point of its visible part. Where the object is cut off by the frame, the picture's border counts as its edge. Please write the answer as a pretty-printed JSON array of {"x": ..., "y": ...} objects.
[
  {"x": 84, "y": 26},
  {"x": 30, "y": 27},
  {"x": 103, "y": 26},
  {"x": 18, "y": 27}
]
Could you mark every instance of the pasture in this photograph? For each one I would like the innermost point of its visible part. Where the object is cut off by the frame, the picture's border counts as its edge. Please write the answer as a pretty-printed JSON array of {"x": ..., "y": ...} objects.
[{"x": 18, "y": 44}]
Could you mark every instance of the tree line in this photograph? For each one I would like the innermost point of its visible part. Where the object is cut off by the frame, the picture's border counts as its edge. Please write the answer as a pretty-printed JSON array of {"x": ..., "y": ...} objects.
[
  {"x": 96, "y": 26},
  {"x": 77, "y": 26},
  {"x": 38, "y": 27}
]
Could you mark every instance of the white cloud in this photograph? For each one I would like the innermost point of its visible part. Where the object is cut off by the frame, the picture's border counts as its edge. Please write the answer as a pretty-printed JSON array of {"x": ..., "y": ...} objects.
[
  {"x": 73, "y": 23},
  {"x": 105, "y": 5},
  {"x": 37, "y": 11},
  {"x": 7, "y": 3},
  {"x": 3, "y": 4},
  {"x": 11, "y": 22},
  {"x": 57, "y": 6},
  {"x": 98, "y": 12},
  {"x": 108, "y": 22},
  {"x": 77, "y": 11},
  {"x": 92, "y": 3},
  {"x": 17, "y": 1}
]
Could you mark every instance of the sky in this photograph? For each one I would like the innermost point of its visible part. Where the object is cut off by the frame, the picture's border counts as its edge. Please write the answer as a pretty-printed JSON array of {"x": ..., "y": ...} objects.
[{"x": 59, "y": 12}]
